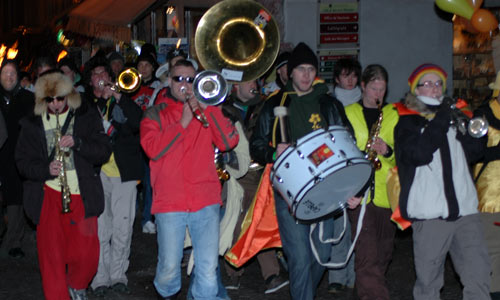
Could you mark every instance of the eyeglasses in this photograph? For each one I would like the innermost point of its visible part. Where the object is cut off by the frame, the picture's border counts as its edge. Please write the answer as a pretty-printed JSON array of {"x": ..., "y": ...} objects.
[
  {"x": 49, "y": 99},
  {"x": 182, "y": 78},
  {"x": 430, "y": 84}
]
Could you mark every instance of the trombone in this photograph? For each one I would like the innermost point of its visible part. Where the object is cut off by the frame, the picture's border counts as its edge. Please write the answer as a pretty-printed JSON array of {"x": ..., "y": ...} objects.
[{"x": 128, "y": 81}]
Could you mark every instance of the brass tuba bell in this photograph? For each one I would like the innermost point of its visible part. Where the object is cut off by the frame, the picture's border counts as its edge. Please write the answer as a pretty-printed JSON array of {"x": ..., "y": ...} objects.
[{"x": 237, "y": 37}]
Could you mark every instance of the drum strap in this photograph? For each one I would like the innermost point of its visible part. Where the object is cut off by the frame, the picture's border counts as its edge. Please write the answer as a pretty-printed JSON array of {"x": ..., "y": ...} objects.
[{"x": 331, "y": 264}]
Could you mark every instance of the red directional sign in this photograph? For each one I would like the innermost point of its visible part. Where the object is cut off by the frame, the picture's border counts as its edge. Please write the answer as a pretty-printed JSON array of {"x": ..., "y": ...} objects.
[
  {"x": 339, "y": 38},
  {"x": 339, "y": 17},
  {"x": 337, "y": 28}
]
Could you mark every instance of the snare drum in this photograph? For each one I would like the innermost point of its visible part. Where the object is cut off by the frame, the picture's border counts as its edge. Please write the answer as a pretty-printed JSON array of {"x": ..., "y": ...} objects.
[{"x": 320, "y": 173}]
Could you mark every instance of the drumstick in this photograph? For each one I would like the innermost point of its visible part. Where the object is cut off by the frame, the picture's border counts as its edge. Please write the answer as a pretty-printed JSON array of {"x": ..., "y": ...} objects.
[{"x": 281, "y": 112}]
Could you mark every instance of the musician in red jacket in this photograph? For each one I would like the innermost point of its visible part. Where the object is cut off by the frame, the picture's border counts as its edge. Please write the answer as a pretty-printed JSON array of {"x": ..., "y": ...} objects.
[{"x": 186, "y": 188}]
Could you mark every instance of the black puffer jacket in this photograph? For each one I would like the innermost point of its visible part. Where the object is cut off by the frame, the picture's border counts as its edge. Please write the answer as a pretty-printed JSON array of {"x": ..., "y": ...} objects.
[
  {"x": 14, "y": 105},
  {"x": 125, "y": 142},
  {"x": 261, "y": 148},
  {"x": 33, "y": 160}
]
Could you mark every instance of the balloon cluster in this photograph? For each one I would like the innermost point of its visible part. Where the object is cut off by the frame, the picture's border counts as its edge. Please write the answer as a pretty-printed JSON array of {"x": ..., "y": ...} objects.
[{"x": 480, "y": 19}]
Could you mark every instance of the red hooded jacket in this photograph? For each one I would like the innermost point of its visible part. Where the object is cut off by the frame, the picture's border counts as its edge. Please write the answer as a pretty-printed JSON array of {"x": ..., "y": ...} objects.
[{"x": 183, "y": 172}]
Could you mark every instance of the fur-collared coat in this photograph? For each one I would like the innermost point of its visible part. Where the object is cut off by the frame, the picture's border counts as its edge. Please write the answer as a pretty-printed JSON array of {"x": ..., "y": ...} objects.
[{"x": 92, "y": 147}]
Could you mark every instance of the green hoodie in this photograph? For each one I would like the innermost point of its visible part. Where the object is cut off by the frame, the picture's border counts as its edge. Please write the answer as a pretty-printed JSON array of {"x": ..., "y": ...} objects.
[{"x": 304, "y": 111}]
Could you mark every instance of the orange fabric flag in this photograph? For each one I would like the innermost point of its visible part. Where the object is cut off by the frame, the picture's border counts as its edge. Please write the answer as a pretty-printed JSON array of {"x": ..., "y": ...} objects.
[
  {"x": 399, "y": 220},
  {"x": 259, "y": 230}
]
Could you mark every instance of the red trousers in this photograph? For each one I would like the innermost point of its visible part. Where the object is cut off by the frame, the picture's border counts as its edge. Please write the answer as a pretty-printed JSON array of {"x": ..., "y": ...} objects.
[{"x": 68, "y": 246}]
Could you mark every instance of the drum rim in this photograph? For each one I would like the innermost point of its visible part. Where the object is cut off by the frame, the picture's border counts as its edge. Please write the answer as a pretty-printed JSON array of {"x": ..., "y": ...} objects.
[
  {"x": 304, "y": 139},
  {"x": 362, "y": 161}
]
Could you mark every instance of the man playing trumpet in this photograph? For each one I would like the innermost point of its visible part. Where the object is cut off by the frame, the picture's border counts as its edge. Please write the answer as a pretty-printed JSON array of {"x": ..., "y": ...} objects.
[
  {"x": 119, "y": 175},
  {"x": 185, "y": 182}
]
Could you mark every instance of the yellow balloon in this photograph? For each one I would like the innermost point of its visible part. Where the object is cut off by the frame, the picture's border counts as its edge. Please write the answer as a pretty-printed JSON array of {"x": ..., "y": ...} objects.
[{"x": 458, "y": 7}]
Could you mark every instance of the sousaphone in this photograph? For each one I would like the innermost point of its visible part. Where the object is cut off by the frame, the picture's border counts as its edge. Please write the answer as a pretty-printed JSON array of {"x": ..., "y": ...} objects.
[{"x": 238, "y": 39}]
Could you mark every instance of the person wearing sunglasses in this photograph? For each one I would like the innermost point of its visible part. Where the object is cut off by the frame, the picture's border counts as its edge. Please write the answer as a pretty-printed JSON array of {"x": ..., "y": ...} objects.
[
  {"x": 437, "y": 190},
  {"x": 120, "y": 118},
  {"x": 15, "y": 103},
  {"x": 67, "y": 242},
  {"x": 187, "y": 191}
]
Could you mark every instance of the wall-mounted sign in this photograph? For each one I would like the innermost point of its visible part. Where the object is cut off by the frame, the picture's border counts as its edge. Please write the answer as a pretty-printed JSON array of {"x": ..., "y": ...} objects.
[
  {"x": 338, "y": 34},
  {"x": 338, "y": 23},
  {"x": 338, "y": 17},
  {"x": 336, "y": 28},
  {"x": 339, "y": 38}
]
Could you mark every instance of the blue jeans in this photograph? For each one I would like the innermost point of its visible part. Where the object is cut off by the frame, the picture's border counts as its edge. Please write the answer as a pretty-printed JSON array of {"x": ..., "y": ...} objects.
[
  {"x": 304, "y": 271},
  {"x": 345, "y": 276},
  {"x": 203, "y": 227},
  {"x": 221, "y": 289}
]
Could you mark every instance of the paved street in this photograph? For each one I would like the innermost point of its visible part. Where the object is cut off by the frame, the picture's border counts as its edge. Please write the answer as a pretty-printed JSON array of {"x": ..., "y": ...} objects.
[{"x": 20, "y": 279}]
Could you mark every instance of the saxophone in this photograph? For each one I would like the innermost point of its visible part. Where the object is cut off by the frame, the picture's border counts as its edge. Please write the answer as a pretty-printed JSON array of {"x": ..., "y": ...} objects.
[
  {"x": 371, "y": 154},
  {"x": 60, "y": 154},
  {"x": 222, "y": 173}
]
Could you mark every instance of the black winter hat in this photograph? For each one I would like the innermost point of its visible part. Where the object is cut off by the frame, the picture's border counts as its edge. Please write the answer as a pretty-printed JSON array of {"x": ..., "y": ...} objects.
[
  {"x": 149, "y": 58},
  {"x": 70, "y": 63},
  {"x": 301, "y": 54},
  {"x": 114, "y": 56},
  {"x": 281, "y": 60}
]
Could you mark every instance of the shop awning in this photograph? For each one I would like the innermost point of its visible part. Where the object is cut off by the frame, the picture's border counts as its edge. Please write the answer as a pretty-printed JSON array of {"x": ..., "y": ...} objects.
[{"x": 107, "y": 19}]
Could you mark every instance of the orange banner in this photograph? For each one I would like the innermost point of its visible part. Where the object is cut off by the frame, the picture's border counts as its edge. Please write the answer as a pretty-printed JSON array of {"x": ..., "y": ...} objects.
[{"x": 260, "y": 228}]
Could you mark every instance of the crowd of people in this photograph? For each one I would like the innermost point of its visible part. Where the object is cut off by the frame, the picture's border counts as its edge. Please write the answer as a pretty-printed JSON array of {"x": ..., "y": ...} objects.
[{"x": 81, "y": 155}]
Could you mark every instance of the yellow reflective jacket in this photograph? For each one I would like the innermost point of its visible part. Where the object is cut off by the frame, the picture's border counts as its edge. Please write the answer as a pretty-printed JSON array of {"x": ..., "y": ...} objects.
[{"x": 355, "y": 116}]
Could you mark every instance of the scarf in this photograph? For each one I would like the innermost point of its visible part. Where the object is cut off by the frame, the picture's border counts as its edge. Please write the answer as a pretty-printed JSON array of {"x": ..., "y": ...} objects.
[{"x": 347, "y": 96}]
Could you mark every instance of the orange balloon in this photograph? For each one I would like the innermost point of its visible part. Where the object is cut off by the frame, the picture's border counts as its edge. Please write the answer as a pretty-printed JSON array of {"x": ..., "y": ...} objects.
[
  {"x": 476, "y": 4},
  {"x": 464, "y": 24},
  {"x": 483, "y": 20}
]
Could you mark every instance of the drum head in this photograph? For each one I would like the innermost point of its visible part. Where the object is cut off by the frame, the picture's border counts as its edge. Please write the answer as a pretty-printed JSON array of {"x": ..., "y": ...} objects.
[{"x": 332, "y": 193}]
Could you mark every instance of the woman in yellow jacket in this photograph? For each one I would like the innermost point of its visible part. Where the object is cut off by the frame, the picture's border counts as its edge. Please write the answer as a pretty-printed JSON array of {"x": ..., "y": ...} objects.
[{"x": 371, "y": 120}]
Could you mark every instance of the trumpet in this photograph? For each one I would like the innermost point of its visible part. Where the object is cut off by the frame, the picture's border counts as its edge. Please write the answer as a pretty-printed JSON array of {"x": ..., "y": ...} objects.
[
  {"x": 210, "y": 87},
  {"x": 197, "y": 112},
  {"x": 476, "y": 127},
  {"x": 128, "y": 81}
]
